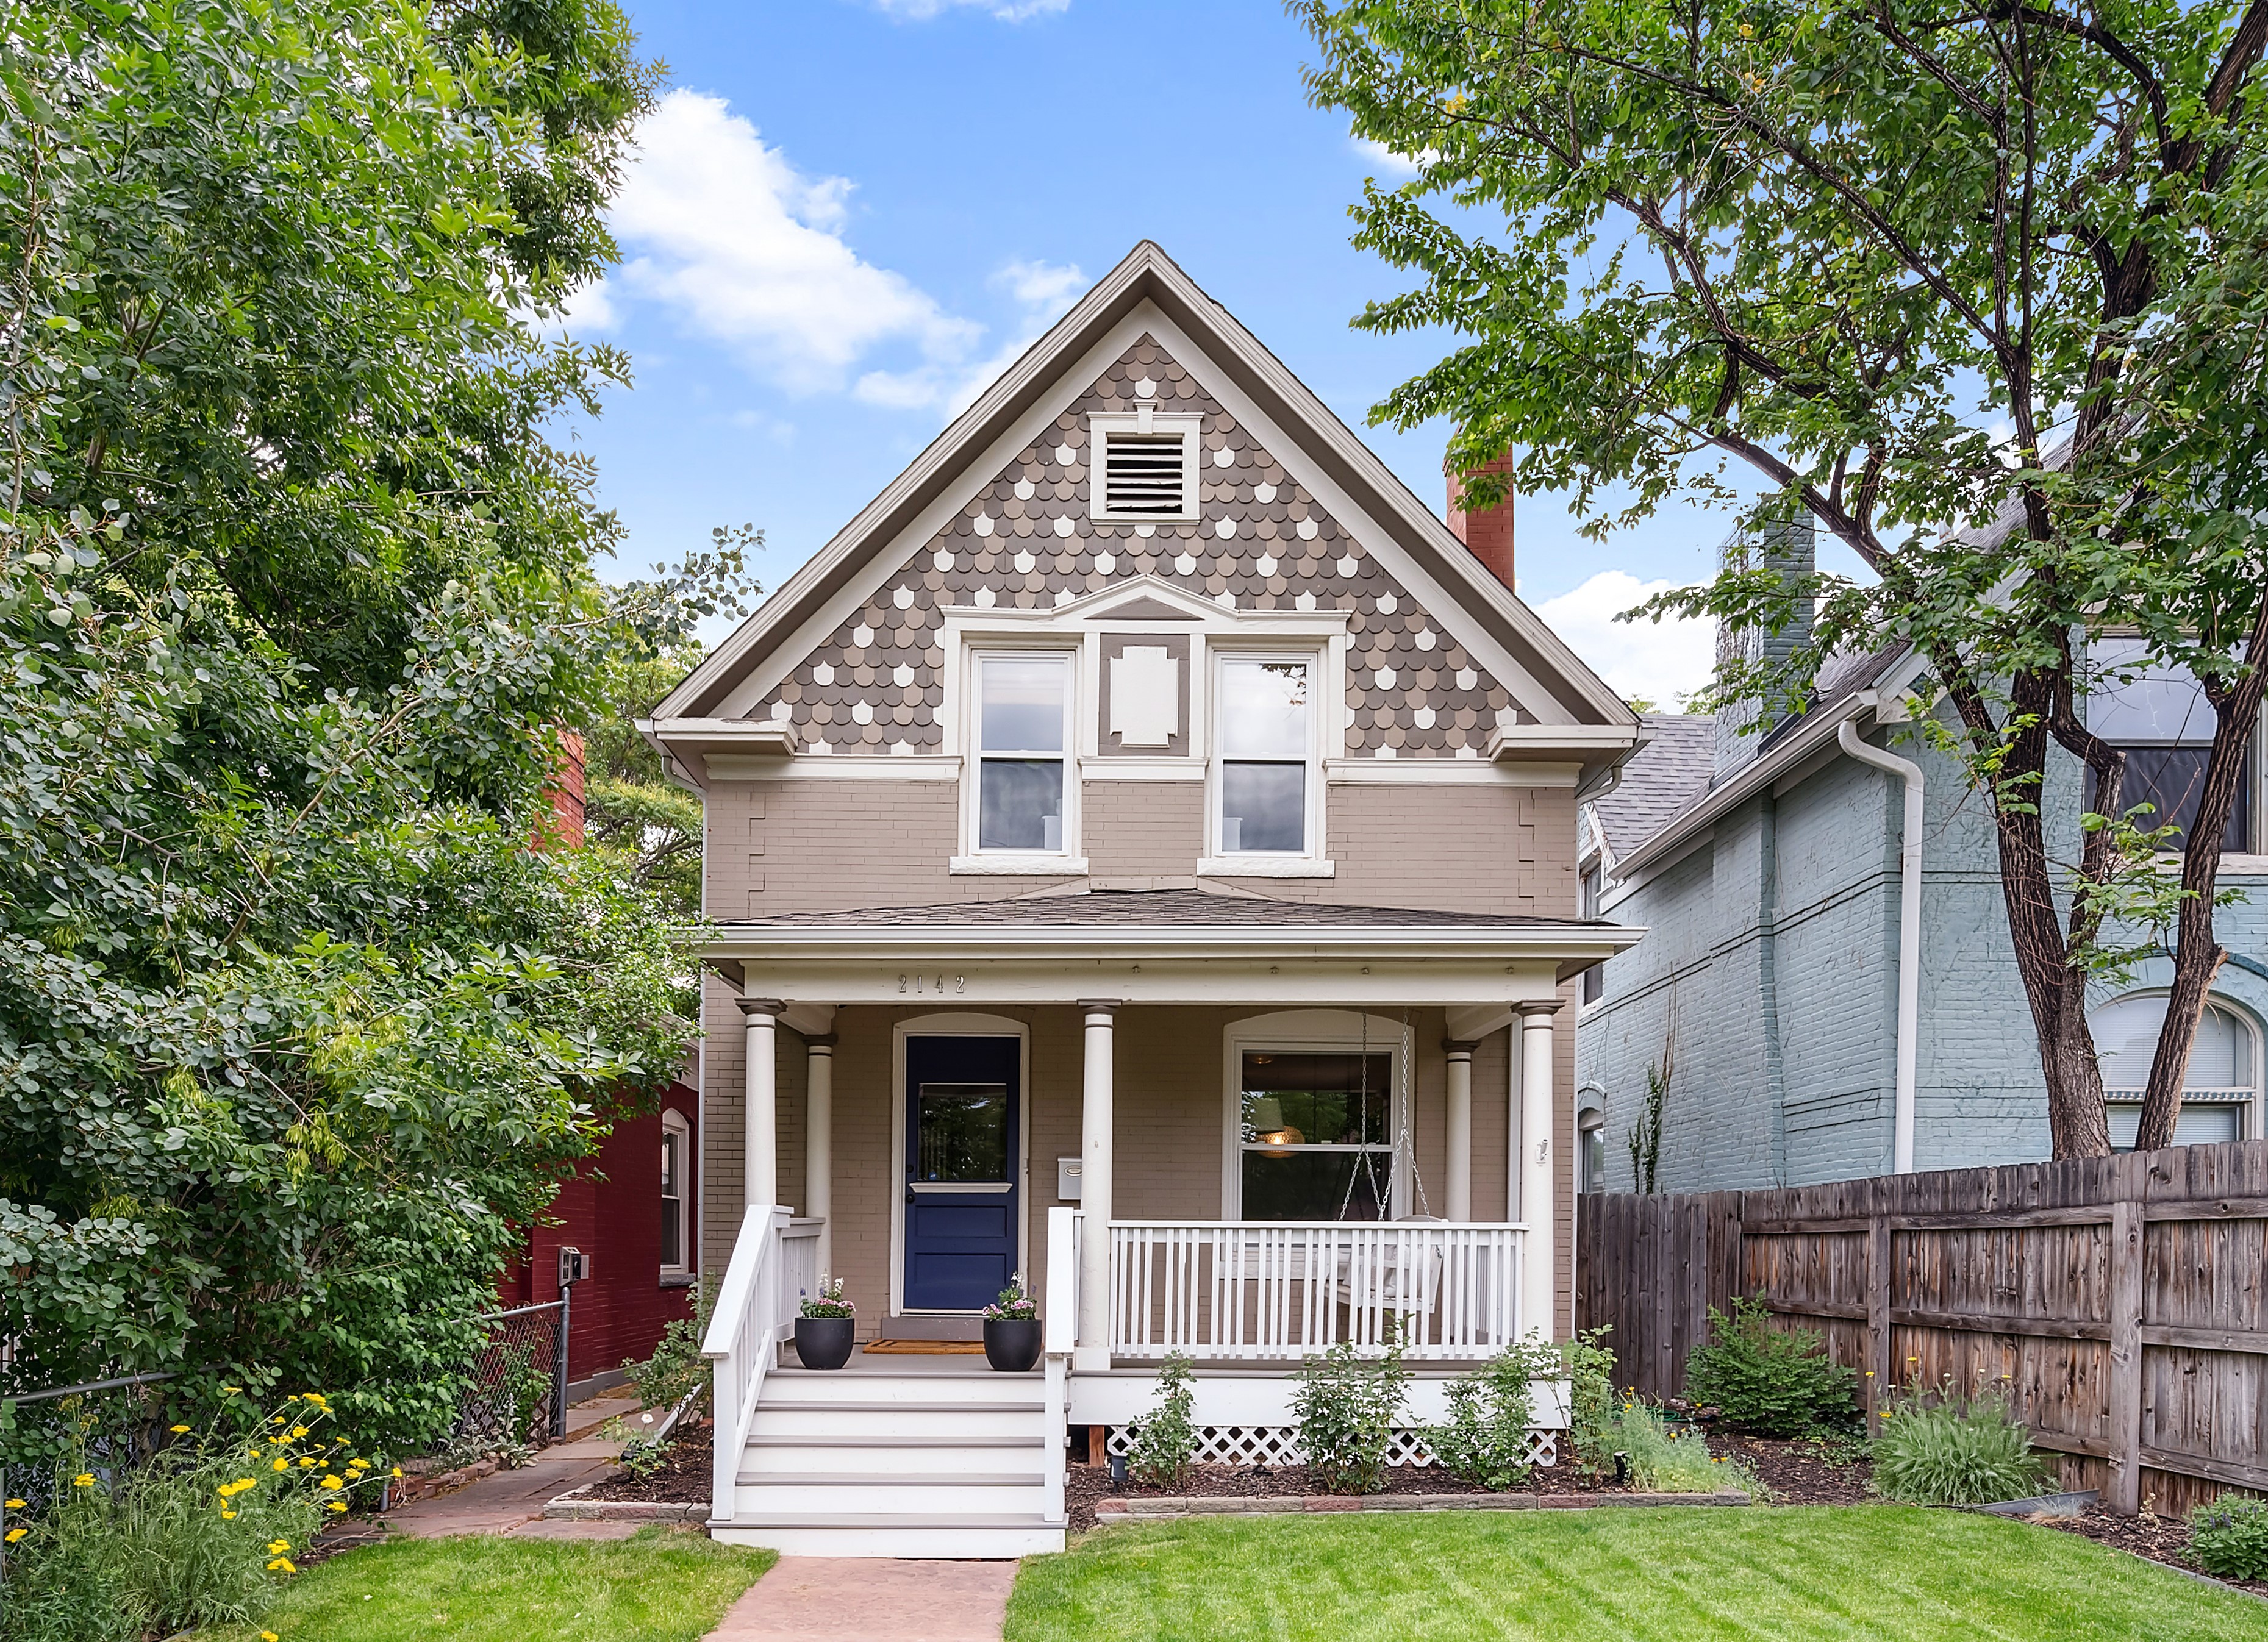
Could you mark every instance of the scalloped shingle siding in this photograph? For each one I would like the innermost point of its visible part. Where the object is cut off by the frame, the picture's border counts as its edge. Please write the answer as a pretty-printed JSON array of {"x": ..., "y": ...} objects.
[{"x": 1025, "y": 542}]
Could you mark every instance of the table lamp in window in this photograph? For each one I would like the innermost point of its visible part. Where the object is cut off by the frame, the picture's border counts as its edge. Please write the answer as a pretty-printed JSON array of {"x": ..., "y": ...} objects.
[{"x": 1269, "y": 1128}]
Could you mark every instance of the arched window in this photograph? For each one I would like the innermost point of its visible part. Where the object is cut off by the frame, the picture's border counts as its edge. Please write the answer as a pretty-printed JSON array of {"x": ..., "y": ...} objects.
[
  {"x": 1590, "y": 1145},
  {"x": 2219, "y": 1101}
]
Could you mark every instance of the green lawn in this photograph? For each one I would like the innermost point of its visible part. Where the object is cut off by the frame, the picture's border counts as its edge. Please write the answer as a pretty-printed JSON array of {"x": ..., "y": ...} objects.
[
  {"x": 1662, "y": 1575},
  {"x": 656, "y": 1586}
]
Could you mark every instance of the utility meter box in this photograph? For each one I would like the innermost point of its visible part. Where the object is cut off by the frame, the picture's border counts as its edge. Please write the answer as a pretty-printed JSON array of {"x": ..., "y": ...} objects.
[
  {"x": 1067, "y": 1178},
  {"x": 574, "y": 1264}
]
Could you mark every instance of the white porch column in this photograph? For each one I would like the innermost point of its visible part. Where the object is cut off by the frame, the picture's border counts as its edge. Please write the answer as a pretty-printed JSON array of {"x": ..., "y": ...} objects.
[
  {"x": 1538, "y": 1307},
  {"x": 760, "y": 1111},
  {"x": 819, "y": 1143},
  {"x": 1457, "y": 1130},
  {"x": 1092, "y": 1350}
]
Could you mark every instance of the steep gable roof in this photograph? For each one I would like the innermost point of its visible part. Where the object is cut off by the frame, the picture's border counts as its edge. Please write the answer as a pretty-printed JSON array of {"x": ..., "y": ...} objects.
[{"x": 1551, "y": 683}]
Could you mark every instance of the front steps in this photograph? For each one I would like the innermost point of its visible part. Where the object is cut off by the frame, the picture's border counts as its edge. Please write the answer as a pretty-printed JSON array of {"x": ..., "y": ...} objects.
[{"x": 919, "y": 1457}]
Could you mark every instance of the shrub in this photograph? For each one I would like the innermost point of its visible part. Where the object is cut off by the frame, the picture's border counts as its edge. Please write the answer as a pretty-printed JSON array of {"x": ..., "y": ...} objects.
[
  {"x": 1775, "y": 1382},
  {"x": 1592, "y": 1405},
  {"x": 676, "y": 1369},
  {"x": 1663, "y": 1463},
  {"x": 1490, "y": 1414},
  {"x": 1947, "y": 1450},
  {"x": 1166, "y": 1441},
  {"x": 2230, "y": 1538},
  {"x": 1346, "y": 1407},
  {"x": 197, "y": 1535}
]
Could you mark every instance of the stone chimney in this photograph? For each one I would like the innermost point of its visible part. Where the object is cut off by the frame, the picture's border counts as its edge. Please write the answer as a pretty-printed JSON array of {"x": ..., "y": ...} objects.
[
  {"x": 1488, "y": 532},
  {"x": 1787, "y": 546}
]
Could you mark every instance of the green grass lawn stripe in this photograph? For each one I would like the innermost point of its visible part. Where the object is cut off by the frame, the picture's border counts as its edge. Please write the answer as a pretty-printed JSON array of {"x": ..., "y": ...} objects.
[
  {"x": 1878, "y": 1573},
  {"x": 655, "y": 1587}
]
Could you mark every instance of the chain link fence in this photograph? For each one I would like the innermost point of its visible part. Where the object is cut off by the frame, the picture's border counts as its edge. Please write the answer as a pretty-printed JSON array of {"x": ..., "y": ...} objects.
[{"x": 515, "y": 1393}]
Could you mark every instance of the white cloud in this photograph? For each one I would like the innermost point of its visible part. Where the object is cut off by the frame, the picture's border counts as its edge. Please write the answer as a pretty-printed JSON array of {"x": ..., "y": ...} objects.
[
  {"x": 1662, "y": 662},
  {"x": 1006, "y": 11},
  {"x": 1044, "y": 290},
  {"x": 1390, "y": 164},
  {"x": 722, "y": 231}
]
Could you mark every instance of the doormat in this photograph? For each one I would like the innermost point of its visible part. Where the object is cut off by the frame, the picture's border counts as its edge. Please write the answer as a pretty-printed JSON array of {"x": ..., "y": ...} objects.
[{"x": 926, "y": 1348}]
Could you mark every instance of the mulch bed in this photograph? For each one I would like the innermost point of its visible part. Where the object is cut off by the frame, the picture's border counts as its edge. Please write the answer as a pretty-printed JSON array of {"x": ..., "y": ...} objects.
[
  {"x": 1797, "y": 1473},
  {"x": 2160, "y": 1539},
  {"x": 685, "y": 1478}
]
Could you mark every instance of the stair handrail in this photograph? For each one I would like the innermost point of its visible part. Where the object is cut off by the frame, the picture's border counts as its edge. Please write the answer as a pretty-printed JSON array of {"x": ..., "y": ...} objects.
[{"x": 743, "y": 1329}]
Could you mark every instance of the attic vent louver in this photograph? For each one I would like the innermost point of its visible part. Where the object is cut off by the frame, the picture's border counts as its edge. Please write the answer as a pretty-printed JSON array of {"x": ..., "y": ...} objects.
[{"x": 1145, "y": 474}]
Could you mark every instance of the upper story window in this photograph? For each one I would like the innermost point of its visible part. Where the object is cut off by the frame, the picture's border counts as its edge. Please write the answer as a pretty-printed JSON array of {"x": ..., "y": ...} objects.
[
  {"x": 1145, "y": 467},
  {"x": 1264, "y": 753},
  {"x": 1023, "y": 722},
  {"x": 1594, "y": 978},
  {"x": 2153, "y": 713},
  {"x": 675, "y": 1144}
]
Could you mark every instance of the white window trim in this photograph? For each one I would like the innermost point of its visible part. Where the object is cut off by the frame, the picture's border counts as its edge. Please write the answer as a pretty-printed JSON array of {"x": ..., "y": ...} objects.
[
  {"x": 1067, "y": 861},
  {"x": 1309, "y": 1031},
  {"x": 1145, "y": 419},
  {"x": 673, "y": 1125},
  {"x": 1324, "y": 708}
]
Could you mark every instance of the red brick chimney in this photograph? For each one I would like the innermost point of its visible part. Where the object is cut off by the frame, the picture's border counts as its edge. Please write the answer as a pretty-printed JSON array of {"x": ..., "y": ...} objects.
[
  {"x": 564, "y": 790},
  {"x": 1489, "y": 532}
]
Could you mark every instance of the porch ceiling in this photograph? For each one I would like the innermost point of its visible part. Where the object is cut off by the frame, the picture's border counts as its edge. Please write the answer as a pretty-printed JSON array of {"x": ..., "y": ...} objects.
[{"x": 1159, "y": 946}]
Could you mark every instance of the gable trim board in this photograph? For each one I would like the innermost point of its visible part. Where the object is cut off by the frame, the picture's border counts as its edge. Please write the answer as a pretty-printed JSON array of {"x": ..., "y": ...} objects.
[{"x": 1146, "y": 292}]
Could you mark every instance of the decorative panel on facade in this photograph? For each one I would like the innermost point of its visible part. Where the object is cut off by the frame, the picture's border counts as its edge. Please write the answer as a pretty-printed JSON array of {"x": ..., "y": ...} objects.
[{"x": 1261, "y": 543}]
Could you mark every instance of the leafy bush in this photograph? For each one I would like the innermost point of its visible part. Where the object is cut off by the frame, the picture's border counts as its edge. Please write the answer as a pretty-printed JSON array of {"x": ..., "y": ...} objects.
[
  {"x": 676, "y": 1369},
  {"x": 1775, "y": 1382},
  {"x": 1663, "y": 1463},
  {"x": 1592, "y": 1405},
  {"x": 2230, "y": 1538},
  {"x": 1165, "y": 1441},
  {"x": 1949, "y": 1450},
  {"x": 197, "y": 1535},
  {"x": 1346, "y": 1407},
  {"x": 1490, "y": 1414}
]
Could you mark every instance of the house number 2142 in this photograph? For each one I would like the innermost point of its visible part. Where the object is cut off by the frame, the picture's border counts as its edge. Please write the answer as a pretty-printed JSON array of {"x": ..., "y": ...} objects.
[{"x": 919, "y": 983}]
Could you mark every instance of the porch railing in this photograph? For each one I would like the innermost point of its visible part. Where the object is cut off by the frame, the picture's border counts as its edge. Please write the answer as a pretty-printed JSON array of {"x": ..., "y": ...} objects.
[
  {"x": 744, "y": 1331},
  {"x": 1277, "y": 1290}
]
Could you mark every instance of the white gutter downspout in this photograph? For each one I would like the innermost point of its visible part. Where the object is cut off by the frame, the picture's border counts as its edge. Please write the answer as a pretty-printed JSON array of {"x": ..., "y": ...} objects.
[{"x": 1901, "y": 1127}]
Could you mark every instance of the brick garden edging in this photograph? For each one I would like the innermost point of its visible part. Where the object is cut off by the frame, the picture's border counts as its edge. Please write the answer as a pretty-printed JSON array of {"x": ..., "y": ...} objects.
[{"x": 1108, "y": 1511}]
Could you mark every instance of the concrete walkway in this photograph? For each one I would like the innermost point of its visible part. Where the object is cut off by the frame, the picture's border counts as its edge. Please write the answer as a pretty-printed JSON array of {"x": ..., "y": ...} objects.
[
  {"x": 837, "y": 1599},
  {"x": 512, "y": 1502}
]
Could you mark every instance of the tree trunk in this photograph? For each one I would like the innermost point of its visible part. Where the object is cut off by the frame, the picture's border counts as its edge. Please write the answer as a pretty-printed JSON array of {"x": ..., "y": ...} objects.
[{"x": 2198, "y": 951}]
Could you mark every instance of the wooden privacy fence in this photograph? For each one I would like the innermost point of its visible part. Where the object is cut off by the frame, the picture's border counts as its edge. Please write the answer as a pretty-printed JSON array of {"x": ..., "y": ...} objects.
[{"x": 2122, "y": 1302}]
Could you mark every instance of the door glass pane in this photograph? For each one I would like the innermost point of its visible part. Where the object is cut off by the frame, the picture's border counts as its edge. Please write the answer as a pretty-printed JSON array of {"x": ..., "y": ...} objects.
[
  {"x": 1264, "y": 807},
  {"x": 1022, "y": 704},
  {"x": 961, "y": 1132},
  {"x": 1020, "y": 804},
  {"x": 1264, "y": 709}
]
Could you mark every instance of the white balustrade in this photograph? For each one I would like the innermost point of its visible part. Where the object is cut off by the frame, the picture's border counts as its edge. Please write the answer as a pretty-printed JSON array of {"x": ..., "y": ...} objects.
[
  {"x": 744, "y": 1331},
  {"x": 1278, "y": 1290},
  {"x": 800, "y": 1270}
]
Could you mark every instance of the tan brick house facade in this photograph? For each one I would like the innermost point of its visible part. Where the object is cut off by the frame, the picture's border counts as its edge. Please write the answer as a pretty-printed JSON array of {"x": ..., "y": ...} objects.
[{"x": 1145, "y": 821}]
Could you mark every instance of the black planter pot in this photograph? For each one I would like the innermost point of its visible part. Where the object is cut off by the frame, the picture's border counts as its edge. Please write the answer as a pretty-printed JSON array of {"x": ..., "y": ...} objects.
[
  {"x": 1011, "y": 1345},
  {"x": 825, "y": 1342}
]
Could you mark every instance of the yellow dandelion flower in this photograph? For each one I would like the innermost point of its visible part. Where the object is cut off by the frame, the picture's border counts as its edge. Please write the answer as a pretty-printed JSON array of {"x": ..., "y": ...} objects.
[
  {"x": 277, "y": 1547},
  {"x": 15, "y": 1534},
  {"x": 306, "y": 1461},
  {"x": 281, "y": 1465},
  {"x": 176, "y": 1430},
  {"x": 231, "y": 1515},
  {"x": 275, "y": 1419},
  {"x": 337, "y": 1505},
  {"x": 15, "y": 1505},
  {"x": 85, "y": 1479},
  {"x": 333, "y": 1482},
  {"x": 282, "y": 1565},
  {"x": 230, "y": 1391},
  {"x": 397, "y": 1471},
  {"x": 269, "y": 1636},
  {"x": 297, "y": 1431},
  {"x": 316, "y": 1397}
]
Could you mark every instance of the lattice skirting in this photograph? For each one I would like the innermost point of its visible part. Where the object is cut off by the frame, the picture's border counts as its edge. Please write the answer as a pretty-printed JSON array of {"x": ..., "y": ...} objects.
[{"x": 1280, "y": 1445}]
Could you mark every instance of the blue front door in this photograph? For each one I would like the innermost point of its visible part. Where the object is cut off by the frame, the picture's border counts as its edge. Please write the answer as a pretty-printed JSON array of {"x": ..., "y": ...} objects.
[{"x": 963, "y": 1109}]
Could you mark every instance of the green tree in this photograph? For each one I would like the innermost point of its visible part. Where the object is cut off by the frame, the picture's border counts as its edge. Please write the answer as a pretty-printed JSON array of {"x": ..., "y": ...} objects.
[
  {"x": 296, "y": 1031},
  {"x": 1950, "y": 281}
]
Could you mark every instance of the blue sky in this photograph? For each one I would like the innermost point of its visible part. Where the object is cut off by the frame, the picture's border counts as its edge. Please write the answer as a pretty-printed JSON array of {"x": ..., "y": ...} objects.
[{"x": 848, "y": 215}]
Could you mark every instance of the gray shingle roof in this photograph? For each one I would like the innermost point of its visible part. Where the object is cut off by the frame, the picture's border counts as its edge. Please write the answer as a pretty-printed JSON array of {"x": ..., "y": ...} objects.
[
  {"x": 1668, "y": 773},
  {"x": 1149, "y": 908}
]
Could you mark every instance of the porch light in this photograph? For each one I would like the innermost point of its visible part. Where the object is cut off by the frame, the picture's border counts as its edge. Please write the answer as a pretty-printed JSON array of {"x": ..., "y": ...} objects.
[{"x": 1269, "y": 1128}]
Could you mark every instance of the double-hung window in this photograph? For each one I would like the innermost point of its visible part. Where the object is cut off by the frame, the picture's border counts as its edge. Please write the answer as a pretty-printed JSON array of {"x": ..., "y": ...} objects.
[
  {"x": 1316, "y": 1135},
  {"x": 1023, "y": 722},
  {"x": 1264, "y": 741},
  {"x": 2154, "y": 712},
  {"x": 675, "y": 1138}
]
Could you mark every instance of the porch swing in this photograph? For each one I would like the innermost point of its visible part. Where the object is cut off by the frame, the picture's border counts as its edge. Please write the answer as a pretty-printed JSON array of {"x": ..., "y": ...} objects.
[{"x": 1389, "y": 1286}]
